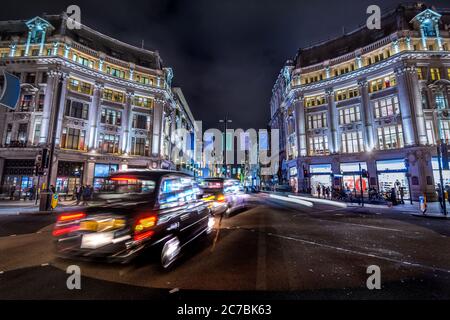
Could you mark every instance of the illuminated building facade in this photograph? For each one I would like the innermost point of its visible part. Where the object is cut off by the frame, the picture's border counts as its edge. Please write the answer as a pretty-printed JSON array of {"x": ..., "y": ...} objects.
[
  {"x": 369, "y": 98},
  {"x": 116, "y": 104}
]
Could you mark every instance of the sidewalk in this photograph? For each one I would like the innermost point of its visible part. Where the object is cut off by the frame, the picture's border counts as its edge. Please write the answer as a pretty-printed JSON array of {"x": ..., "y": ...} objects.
[
  {"x": 16, "y": 207},
  {"x": 433, "y": 208}
]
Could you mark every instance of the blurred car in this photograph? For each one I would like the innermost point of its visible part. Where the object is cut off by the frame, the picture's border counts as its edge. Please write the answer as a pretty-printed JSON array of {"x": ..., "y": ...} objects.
[
  {"x": 223, "y": 195},
  {"x": 142, "y": 209}
]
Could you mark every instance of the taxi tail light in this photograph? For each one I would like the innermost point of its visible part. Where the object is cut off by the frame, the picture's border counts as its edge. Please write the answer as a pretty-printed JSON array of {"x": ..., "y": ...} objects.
[
  {"x": 143, "y": 226},
  {"x": 73, "y": 216},
  {"x": 68, "y": 222}
]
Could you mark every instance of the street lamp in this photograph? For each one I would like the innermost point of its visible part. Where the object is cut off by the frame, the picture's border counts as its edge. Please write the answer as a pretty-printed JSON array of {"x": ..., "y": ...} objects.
[{"x": 225, "y": 122}]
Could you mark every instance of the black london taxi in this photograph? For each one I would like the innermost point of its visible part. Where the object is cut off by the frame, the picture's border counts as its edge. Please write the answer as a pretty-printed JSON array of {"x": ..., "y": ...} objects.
[{"x": 140, "y": 210}]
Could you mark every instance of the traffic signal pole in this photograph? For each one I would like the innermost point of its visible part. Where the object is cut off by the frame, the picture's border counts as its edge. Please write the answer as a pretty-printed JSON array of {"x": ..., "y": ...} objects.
[
  {"x": 441, "y": 178},
  {"x": 361, "y": 185}
]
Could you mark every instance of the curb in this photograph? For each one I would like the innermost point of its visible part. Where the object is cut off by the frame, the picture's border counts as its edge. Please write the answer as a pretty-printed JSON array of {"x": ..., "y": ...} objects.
[{"x": 432, "y": 216}]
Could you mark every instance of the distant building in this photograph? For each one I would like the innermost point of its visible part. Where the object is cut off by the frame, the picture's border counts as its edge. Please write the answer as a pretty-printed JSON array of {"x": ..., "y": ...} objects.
[
  {"x": 369, "y": 99},
  {"x": 117, "y": 107}
]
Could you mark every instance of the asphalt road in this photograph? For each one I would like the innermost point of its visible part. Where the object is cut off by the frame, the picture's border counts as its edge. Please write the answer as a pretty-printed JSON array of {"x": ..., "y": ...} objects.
[{"x": 276, "y": 249}]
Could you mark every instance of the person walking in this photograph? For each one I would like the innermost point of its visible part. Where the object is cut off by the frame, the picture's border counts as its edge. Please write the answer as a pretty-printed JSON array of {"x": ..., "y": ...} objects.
[
  {"x": 318, "y": 190},
  {"x": 86, "y": 195},
  {"x": 12, "y": 191},
  {"x": 79, "y": 194},
  {"x": 393, "y": 197},
  {"x": 402, "y": 195}
]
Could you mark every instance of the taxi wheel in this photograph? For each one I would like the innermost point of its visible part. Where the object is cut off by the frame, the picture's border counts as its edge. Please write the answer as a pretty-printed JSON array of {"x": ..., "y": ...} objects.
[{"x": 170, "y": 252}]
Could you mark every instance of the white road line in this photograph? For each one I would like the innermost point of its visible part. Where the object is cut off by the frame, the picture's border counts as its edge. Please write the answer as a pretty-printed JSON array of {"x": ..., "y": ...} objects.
[
  {"x": 371, "y": 255},
  {"x": 174, "y": 290},
  {"x": 297, "y": 201},
  {"x": 261, "y": 283},
  {"x": 45, "y": 264},
  {"x": 13, "y": 235},
  {"x": 323, "y": 201}
]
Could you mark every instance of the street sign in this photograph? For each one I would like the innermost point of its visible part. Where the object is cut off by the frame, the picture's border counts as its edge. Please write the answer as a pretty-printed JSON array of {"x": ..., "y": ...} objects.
[
  {"x": 54, "y": 201},
  {"x": 9, "y": 96}
]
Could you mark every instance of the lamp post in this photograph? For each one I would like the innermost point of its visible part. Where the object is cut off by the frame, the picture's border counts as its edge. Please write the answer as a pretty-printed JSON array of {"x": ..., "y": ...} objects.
[{"x": 225, "y": 121}]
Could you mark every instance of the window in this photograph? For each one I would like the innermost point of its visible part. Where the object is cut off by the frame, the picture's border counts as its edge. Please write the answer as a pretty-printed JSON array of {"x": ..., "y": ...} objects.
[
  {"x": 144, "y": 80},
  {"x": 349, "y": 115},
  {"x": 22, "y": 132},
  {"x": 82, "y": 60},
  {"x": 386, "y": 107},
  {"x": 115, "y": 72},
  {"x": 114, "y": 96},
  {"x": 143, "y": 102},
  {"x": 108, "y": 143},
  {"x": 382, "y": 83},
  {"x": 430, "y": 132},
  {"x": 314, "y": 101},
  {"x": 140, "y": 146},
  {"x": 317, "y": 121},
  {"x": 318, "y": 145},
  {"x": 352, "y": 142},
  {"x": 441, "y": 101},
  {"x": 346, "y": 94},
  {"x": 419, "y": 73},
  {"x": 111, "y": 116},
  {"x": 141, "y": 121},
  {"x": 73, "y": 139},
  {"x": 37, "y": 132},
  {"x": 26, "y": 103},
  {"x": 435, "y": 74},
  {"x": 8, "y": 137},
  {"x": 30, "y": 77},
  {"x": 76, "y": 109},
  {"x": 390, "y": 137},
  {"x": 79, "y": 86},
  {"x": 40, "y": 103},
  {"x": 445, "y": 130}
]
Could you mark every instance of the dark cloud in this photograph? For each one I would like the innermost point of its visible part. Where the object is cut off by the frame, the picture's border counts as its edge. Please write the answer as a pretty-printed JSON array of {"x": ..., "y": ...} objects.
[{"x": 226, "y": 54}]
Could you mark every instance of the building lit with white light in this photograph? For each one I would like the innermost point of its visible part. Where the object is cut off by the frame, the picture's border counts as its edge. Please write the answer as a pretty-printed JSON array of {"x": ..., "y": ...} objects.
[
  {"x": 369, "y": 98},
  {"x": 116, "y": 105}
]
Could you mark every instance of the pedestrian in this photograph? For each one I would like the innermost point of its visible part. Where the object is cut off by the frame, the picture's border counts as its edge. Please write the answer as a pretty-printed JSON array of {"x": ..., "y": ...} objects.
[
  {"x": 86, "y": 195},
  {"x": 393, "y": 197},
  {"x": 318, "y": 190},
  {"x": 402, "y": 194},
  {"x": 31, "y": 193},
  {"x": 52, "y": 189},
  {"x": 324, "y": 189},
  {"x": 12, "y": 191},
  {"x": 327, "y": 192},
  {"x": 79, "y": 193}
]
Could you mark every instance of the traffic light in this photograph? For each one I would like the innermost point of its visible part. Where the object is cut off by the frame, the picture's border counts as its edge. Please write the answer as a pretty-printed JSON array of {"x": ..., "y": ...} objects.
[
  {"x": 364, "y": 173},
  {"x": 45, "y": 158}
]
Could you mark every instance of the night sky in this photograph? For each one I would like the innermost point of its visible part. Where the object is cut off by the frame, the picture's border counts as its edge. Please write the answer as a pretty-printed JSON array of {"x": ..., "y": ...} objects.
[{"x": 226, "y": 55}]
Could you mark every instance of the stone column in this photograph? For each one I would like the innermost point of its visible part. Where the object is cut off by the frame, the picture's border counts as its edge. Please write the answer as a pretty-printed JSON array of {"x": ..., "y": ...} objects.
[
  {"x": 366, "y": 114},
  {"x": 127, "y": 123},
  {"x": 333, "y": 140},
  {"x": 158, "y": 117},
  {"x": 405, "y": 106},
  {"x": 50, "y": 90},
  {"x": 300, "y": 126},
  {"x": 94, "y": 115},
  {"x": 416, "y": 105},
  {"x": 61, "y": 106},
  {"x": 88, "y": 176}
]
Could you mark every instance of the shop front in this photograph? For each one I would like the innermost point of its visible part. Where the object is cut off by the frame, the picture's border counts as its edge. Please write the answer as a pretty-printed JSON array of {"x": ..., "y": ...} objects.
[
  {"x": 436, "y": 176},
  {"x": 101, "y": 172},
  {"x": 18, "y": 175},
  {"x": 392, "y": 174},
  {"x": 321, "y": 176},
  {"x": 351, "y": 178},
  {"x": 69, "y": 176}
]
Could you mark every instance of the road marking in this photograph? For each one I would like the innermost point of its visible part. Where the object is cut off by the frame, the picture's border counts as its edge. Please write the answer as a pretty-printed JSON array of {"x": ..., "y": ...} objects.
[
  {"x": 298, "y": 201},
  {"x": 323, "y": 201},
  {"x": 2, "y": 272},
  {"x": 13, "y": 235},
  {"x": 412, "y": 264},
  {"x": 261, "y": 283},
  {"x": 45, "y": 264},
  {"x": 174, "y": 290}
]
